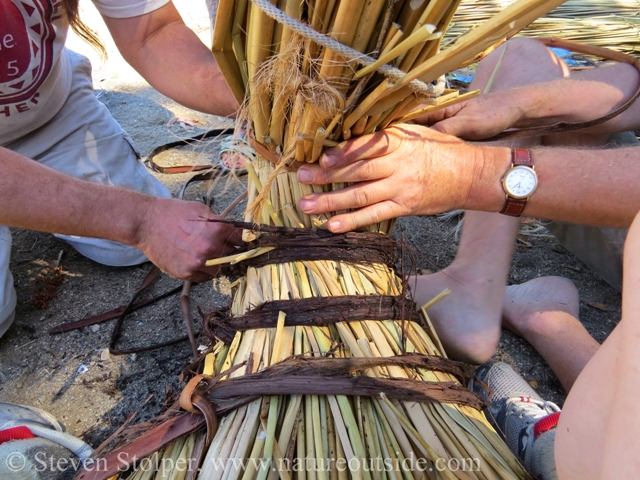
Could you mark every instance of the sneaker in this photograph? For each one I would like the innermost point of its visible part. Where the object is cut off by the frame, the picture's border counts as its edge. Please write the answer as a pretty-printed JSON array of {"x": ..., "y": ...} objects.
[
  {"x": 34, "y": 445},
  {"x": 514, "y": 408},
  {"x": 12, "y": 414}
]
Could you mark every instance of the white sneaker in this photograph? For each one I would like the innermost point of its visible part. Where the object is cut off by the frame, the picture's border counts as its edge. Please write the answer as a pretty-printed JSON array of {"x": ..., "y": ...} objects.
[{"x": 514, "y": 408}]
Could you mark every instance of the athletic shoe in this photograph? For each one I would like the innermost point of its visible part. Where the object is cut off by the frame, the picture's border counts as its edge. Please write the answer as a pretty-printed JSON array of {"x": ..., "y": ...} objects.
[
  {"x": 34, "y": 445},
  {"x": 514, "y": 409}
]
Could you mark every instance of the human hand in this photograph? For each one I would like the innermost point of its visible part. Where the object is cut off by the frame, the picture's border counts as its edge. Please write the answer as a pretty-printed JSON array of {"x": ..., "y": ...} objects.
[
  {"x": 175, "y": 237},
  {"x": 478, "y": 118},
  {"x": 404, "y": 170}
]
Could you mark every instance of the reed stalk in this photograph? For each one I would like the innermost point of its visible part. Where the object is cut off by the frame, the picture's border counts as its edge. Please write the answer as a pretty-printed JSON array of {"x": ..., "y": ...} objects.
[
  {"x": 222, "y": 49},
  {"x": 422, "y": 35}
]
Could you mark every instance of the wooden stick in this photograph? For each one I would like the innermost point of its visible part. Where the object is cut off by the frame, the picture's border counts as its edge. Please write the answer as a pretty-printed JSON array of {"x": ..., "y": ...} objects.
[
  {"x": 407, "y": 105},
  {"x": 358, "y": 128}
]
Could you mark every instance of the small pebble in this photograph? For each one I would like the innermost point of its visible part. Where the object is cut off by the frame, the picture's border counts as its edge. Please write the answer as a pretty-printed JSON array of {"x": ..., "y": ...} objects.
[
  {"x": 95, "y": 328},
  {"x": 105, "y": 355}
]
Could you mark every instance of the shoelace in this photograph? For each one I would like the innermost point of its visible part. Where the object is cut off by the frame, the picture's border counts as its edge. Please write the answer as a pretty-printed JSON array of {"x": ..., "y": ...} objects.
[{"x": 530, "y": 409}]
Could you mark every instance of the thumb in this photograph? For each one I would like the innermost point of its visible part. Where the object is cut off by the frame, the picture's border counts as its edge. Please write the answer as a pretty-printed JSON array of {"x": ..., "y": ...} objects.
[
  {"x": 465, "y": 128},
  {"x": 452, "y": 126}
]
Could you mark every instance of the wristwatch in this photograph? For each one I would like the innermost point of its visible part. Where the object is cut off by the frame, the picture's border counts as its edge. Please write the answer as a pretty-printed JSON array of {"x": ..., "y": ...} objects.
[{"x": 519, "y": 182}]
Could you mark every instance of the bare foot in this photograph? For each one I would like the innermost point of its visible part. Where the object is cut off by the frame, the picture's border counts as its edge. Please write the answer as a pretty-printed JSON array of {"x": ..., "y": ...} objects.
[
  {"x": 234, "y": 160},
  {"x": 544, "y": 311},
  {"x": 236, "y": 152},
  {"x": 524, "y": 304},
  {"x": 467, "y": 320}
]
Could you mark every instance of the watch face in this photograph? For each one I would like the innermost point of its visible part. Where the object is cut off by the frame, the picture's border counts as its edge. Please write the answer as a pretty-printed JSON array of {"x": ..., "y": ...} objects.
[{"x": 520, "y": 182}]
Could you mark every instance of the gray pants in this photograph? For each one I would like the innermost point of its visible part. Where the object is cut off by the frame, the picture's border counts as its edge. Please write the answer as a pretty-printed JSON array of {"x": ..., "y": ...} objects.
[
  {"x": 601, "y": 248},
  {"x": 83, "y": 140}
]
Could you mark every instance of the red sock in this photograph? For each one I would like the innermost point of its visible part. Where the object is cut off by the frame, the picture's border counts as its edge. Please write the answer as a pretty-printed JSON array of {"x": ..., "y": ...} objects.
[
  {"x": 15, "y": 433},
  {"x": 545, "y": 424}
]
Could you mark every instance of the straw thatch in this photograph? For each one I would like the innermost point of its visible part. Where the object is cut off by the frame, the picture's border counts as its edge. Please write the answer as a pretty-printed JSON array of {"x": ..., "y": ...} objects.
[{"x": 611, "y": 24}]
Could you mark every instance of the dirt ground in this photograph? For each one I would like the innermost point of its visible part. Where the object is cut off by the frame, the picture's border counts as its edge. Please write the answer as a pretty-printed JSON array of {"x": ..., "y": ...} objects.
[{"x": 73, "y": 376}]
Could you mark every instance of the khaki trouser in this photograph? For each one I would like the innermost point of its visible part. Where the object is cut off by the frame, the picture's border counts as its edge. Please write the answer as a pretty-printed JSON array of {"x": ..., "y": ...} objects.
[{"x": 83, "y": 140}]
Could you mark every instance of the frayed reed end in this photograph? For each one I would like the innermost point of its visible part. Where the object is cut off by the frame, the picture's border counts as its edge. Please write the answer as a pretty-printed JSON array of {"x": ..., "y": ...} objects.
[{"x": 299, "y": 103}]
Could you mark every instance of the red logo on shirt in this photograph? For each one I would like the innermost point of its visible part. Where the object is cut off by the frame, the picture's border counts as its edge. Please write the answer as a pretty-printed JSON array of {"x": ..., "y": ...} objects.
[{"x": 26, "y": 46}]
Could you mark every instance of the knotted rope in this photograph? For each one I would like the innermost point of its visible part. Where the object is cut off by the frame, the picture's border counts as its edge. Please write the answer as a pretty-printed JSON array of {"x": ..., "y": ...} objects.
[{"x": 351, "y": 54}]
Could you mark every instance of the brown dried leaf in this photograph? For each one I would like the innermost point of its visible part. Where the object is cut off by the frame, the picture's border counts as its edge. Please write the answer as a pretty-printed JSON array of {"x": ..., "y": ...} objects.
[
  {"x": 597, "y": 305},
  {"x": 575, "y": 268}
]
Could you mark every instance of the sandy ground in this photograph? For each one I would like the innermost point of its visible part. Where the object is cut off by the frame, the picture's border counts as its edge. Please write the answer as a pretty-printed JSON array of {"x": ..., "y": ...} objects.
[{"x": 73, "y": 376}]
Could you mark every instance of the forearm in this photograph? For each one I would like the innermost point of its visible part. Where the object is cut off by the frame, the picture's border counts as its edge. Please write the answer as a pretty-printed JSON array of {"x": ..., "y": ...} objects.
[
  {"x": 173, "y": 60},
  {"x": 39, "y": 198},
  {"x": 195, "y": 80},
  {"x": 588, "y": 95},
  {"x": 619, "y": 455},
  {"x": 413, "y": 170},
  {"x": 593, "y": 187}
]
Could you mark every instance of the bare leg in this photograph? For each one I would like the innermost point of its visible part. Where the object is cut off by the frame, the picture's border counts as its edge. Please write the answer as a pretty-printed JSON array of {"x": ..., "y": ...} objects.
[
  {"x": 468, "y": 321},
  {"x": 598, "y": 432},
  {"x": 544, "y": 312}
]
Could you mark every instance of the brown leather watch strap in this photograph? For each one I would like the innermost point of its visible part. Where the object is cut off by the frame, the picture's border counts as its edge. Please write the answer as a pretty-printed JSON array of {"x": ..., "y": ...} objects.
[
  {"x": 514, "y": 206},
  {"x": 521, "y": 156}
]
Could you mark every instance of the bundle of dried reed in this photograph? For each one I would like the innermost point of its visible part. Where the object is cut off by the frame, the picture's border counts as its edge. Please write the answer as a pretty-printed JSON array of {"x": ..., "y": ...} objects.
[{"x": 300, "y": 96}]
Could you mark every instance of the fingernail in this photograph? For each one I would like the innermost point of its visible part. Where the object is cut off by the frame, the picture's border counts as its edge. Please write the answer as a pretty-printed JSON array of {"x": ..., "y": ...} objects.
[
  {"x": 305, "y": 175},
  {"x": 307, "y": 206},
  {"x": 334, "y": 225},
  {"x": 329, "y": 161}
]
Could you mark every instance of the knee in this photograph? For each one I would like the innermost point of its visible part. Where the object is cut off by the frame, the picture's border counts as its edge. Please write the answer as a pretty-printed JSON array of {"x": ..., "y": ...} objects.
[
  {"x": 526, "y": 49},
  {"x": 525, "y": 61},
  {"x": 7, "y": 292},
  {"x": 106, "y": 252},
  {"x": 8, "y": 303},
  {"x": 632, "y": 245}
]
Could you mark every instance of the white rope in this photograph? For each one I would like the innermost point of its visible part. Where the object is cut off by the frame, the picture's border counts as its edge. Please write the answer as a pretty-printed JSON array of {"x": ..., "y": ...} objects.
[{"x": 392, "y": 73}]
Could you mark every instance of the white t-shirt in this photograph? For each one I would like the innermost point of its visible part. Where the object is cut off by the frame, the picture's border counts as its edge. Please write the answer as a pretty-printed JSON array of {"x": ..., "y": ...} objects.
[{"x": 35, "y": 73}]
